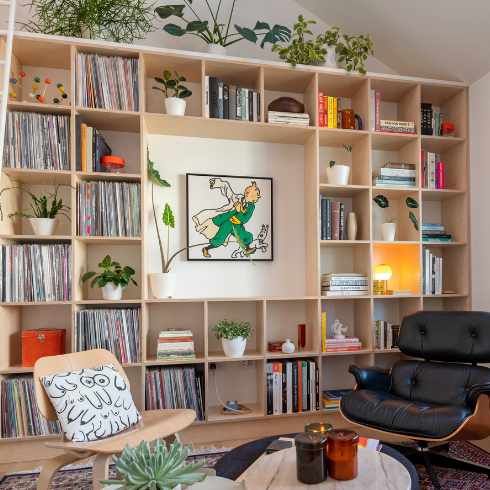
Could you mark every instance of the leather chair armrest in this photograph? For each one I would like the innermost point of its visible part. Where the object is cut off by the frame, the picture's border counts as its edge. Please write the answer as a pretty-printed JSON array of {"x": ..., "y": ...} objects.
[
  {"x": 371, "y": 377},
  {"x": 475, "y": 391}
]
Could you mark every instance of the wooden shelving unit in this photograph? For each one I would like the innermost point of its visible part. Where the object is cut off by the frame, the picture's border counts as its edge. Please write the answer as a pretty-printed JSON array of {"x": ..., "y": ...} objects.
[{"x": 274, "y": 318}]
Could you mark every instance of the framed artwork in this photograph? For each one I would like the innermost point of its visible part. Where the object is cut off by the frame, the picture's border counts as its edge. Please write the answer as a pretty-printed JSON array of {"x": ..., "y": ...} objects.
[{"x": 222, "y": 207}]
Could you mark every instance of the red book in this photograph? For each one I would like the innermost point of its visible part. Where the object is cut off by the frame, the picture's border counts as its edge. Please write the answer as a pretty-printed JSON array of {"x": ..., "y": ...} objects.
[
  {"x": 335, "y": 220},
  {"x": 422, "y": 169},
  {"x": 174, "y": 339},
  {"x": 320, "y": 109},
  {"x": 377, "y": 109},
  {"x": 343, "y": 349},
  {"x": 440, "y": 175}
]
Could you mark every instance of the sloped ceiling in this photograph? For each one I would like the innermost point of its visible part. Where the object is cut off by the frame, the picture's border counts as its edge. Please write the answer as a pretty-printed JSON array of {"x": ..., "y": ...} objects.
[{"x": 443, "y": 39}]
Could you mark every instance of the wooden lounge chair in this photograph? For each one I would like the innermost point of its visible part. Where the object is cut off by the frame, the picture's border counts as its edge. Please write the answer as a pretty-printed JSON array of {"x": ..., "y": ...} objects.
[{"x": 161, "y": 424}]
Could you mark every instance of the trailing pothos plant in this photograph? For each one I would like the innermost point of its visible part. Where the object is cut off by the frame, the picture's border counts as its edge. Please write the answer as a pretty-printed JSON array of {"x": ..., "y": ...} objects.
[
  {"x": 216, "y": 31},
  {"x": 349, "y": 151},
  {"x": 383, "y": 203},
  {"x": 173, "y": 83},
  {"x": 112, "y": 272},
  {"x": 40, "y": 207},
  {"x": 232, "y": 330},
  {"x": 301, "y": 51}
]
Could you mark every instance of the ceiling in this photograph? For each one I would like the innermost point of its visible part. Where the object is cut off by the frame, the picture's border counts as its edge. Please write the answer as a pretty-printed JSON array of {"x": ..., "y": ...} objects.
[{"x": 442, "y": 39}]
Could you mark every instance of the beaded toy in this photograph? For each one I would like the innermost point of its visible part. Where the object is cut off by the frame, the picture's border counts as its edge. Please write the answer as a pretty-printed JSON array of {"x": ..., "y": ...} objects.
[{"x": 35, "y": 87}]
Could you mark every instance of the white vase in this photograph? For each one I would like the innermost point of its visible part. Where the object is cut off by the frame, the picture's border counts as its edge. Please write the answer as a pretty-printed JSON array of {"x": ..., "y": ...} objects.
[
  {"x": 162, "y": 284},
  {"x": 44, "y": 226},
  {"x": 288, "y": 347},
  {"x": 338, "y": 174},
  {"x": 235, "y": 347},
  {"x": 388, "y": 230},
  {"x": 214, "y": 49},
  {"x": 175, "y": 106},
  {"x": 331, "y": 59},
  {"x": 112, "y": 292}
]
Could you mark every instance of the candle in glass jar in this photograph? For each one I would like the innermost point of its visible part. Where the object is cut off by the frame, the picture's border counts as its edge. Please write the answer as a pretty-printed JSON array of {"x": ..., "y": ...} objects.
[
  {"x": 318, "y": 427},
  {"x": 310, "y": 457},
  {"x": 342, "y": 449}
]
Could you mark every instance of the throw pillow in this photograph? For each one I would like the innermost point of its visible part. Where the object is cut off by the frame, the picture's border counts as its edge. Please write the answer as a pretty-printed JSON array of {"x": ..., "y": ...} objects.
[{"x": 91, "y": 403}]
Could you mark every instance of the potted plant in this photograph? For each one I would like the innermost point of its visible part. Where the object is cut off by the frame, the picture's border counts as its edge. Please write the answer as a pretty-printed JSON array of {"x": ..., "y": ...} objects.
[
  {"x": 233, "y": 336},
  {"x": 120, "y": 21},
  {"x": 41, "y": 215},
  {"x": 339, "y": 174},
  {"x": 216, "y": 34},
  {"x": 145, "y": 468},
  {"x": 301, "y": 51},
  {"x": 112, "y": 280},
  {"x": 388, "y": 229},
  {"x": 175, "y": 103}
]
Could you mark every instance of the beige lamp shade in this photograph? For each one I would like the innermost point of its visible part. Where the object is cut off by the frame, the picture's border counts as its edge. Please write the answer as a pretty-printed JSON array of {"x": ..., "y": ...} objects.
[{"x": 382, "y": 272}]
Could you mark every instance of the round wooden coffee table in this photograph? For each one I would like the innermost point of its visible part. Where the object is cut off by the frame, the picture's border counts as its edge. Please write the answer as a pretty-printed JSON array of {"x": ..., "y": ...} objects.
[{"x": 376, "y": 470}]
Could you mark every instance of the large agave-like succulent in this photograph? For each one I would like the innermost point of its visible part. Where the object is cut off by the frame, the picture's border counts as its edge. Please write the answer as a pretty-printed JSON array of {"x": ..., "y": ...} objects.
[{"x": 157, "y": 470}]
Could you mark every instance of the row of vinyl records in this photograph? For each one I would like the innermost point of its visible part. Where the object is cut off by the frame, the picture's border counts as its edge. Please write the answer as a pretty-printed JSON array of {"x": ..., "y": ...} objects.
[
  {"x": 292, "y": 386},
  {"x": 35, "y": 273},
  {"x": 37, "y": 141},
  {"x": 108, "y": 209}
]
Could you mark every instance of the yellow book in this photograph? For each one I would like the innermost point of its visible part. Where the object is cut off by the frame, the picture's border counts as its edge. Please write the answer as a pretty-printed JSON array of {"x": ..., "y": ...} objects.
[
  {"x": 334, "y": 115},
  {"x": 324, "y": 332},
  {"x": 330, "y": 112},
  {"x": 83, "y": 143}
]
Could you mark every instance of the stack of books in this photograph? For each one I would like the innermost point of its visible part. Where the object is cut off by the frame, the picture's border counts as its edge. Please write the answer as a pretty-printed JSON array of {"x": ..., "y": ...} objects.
[
  {"x": 386, "y": 126},
  {"x": 432, "y": 170},
  {"x": 298, "y": 118},
  {"x": 347, "y": 344},
  {"x": 175, "y": 343},
  {"x": 292, "y": 386},
  {"x": 434, "y": 232},
  {"x": 175, "y": 388},
  {"x": 224, "y": 101},
  {"x": 430, "y": 121},
  {"x": 331, "y": 398},
  {"x": 90, "y": 147},
  {"x": 385, "y": 335},
  {"x": 106, "y": 82},
  {"x": 328, "y": 111},
  {"x": 431, "y": 273},
  {"x": 394, "y": 174},
  {"x": 331, "y": 220},
  {"x": 344, "y": 284},
  {"x": 37, "y": 141}
]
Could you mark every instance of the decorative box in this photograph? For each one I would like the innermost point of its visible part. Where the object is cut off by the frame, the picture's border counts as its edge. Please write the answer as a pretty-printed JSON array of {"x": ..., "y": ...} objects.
[
  {"x": 275, "y": 346},
  {"x": 41, "y": 343}
]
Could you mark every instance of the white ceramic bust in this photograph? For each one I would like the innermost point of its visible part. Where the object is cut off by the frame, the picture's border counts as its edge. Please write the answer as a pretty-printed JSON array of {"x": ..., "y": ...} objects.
[{"x": 338, "y": 330}]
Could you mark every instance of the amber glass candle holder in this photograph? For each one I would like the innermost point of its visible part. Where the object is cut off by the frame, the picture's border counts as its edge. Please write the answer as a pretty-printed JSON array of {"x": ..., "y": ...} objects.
[
  {"x": 318, "y": 427},
  {"x": 342, "y": 449},
  {"x": 348, "y": 119},
  {"x": 311, "y": 448}
]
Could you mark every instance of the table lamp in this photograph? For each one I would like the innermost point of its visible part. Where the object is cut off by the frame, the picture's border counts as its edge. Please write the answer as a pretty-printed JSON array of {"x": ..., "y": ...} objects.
[{"x": 382, "y": 272}]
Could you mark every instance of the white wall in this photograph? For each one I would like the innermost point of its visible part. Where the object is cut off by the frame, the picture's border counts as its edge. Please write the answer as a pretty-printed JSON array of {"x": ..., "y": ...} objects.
[{"x": 480, "y": 184}]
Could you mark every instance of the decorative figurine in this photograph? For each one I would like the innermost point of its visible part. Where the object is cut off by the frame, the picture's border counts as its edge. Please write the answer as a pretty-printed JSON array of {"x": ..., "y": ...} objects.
[
  {"x": 288, "y": 347},
  {"x": 337, "y": 330},
  {"x": 32, "y": 95}
]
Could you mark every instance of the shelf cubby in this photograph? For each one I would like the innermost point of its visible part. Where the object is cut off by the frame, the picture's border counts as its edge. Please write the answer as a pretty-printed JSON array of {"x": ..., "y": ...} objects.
[
  {"x": 335, "y": 370},
  {"x": 448, "y": 302},
  {"x": 394, "y": 309}
]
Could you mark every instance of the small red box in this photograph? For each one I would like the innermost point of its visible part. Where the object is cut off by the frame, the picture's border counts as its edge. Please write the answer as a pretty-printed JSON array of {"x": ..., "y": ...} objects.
[{"x": 41, "y": 343}]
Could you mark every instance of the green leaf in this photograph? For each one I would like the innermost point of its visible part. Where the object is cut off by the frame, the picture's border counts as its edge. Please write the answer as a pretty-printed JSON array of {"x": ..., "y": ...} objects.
[
  {"x": 247, "y": 33},
  {"x": 412, "y": 203},
  {"x": 341, "y": 59},
  {"x": 94, "y": 282},
  {"x": 170, "y": 10},
  {"x": 126, "y": 277},
  {"x": 261, "y": 25},
  {"x": 186, "y": 93},
  {"x": 332, "y": 163},
  {"x": 197, "y": 26},
  {"x": 381, "y": 201},
  {"x": 414, "y": 220},
  {"x": 174, "y": 30},
  {"x": 171, "y": 84},
  {"x": 355, "y": 60},
  {"x": 154, "y": 174},
  {"x": 362, "y": 70},
  {"x": 338, "y": 48},
  {"x": 168, "y": 217},
  {"x": 102, "y": 281},
  {"x": 349, "y": 67},
  {"x": 115, "y": 264},
  {"x": 166, "y": 75},
  {"x": 277, "y": 33},
  {"x": 128, "y": 270},
  {"x": 88, "y": 276},
  {"x": 107, "y": 261},
  {"x": 348, "y": 148},
  {"x": 109, "y": 274}
]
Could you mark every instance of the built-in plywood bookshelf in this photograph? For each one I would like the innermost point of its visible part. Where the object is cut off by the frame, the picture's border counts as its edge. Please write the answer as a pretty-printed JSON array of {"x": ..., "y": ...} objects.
[{"x": 273, "y": 317}]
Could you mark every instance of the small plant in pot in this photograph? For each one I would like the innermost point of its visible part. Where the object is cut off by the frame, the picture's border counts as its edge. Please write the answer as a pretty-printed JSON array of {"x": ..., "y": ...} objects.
[
  {"x": 112, "y": 280},
  {"x": 388, "y": 229},
  {"x": 41, "y": 214},
  {"x": 174, "y": 101},
  {"x": 339, "y": 174},
  {"x": 233, "y": 336}
]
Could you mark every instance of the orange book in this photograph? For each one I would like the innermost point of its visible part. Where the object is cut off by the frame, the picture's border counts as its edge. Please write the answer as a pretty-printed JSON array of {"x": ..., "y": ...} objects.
[{"x": 83, "y": 142}]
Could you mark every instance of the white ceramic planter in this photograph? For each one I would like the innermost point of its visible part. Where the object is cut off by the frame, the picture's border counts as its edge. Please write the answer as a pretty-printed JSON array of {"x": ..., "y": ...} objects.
[
  {"x": 388, "y": 230},
  {"x": 175, "y": 106},
  {"x": 214, "y": 49},
  {"x": 162, "y": 284},
  {"x": 44, "y": 226},
  {"x": 235, "y": 347},
  {"x": 331, "y": 59},
  {"x": 338, "y": 174},
  {"x": 112, "y": 292}
]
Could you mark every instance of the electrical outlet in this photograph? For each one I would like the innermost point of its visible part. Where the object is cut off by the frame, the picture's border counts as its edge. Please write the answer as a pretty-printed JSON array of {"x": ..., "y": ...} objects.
[
  {"x": 220, "y": 366},
  {"x": 244, "y": 363}
]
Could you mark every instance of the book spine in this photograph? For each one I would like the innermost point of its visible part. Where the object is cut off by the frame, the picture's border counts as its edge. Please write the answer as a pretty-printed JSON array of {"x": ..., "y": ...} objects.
[
  {"x": 373, "y": 110},
  {"x": 226, "y": 100},
  {"x": 320, "y": 109},
  {"x": 344, "y": 283},
  {"x": 377, "y": 109},
  {"x": 239, "y": 104},
  {"x": 304, "y": 372},
  {"x": 395, "y": 178},
  {"x": 442, "y": 182},
  {"x": 83, "y": 144},
  {"x": 324, "y": 331},
  {"x": 277, "y": 384},
  {"x": 206, "y": 96},
  {"x": 436, "y": 180},
  {"x": 335, "y": 220},
  {"x": 338, "y": 114},
  {"x": 329, "y": 219},
  {"x": 284, "y": 388},
  {"x": 300, "y": 386},
  {"x": 323, "y": 214},
  {"x": 254, "y": 109},
  {"x": 344, "y": 288},
  {"x": 231, "y": 102},
  {"x": 422, "y": 170},
  {"x": 334, "y": 112},
  {"x": 295, "y": 386},
  {"x": 325, "y": 111},
  {"x": 220, "y": 100},
  {"x": 330, "y": 112},
  {"x": 432, "y": 170},
  {"x": 213, "y": 97},
  {"x": 341, "y": 225},
  {"x": 244, "y": 104},
  {"x": 317, "y": 388},
  {"x": 342, "y": 349},
  {"x": 250, "y": 106},
  {"x": 258, "y": 107}
]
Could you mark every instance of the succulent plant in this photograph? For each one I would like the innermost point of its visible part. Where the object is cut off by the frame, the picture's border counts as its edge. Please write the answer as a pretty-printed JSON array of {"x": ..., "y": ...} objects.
[{"x": 143, "y": 469}]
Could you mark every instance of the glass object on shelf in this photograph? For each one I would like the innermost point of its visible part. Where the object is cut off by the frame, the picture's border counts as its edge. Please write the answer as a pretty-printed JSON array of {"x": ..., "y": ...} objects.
[
  {"x": 349, "y": 119},
  {"x": 301, "y": 337},
  {"x": 342, "y": 449},
  {"x": 382, "y": 272},
  {"x": 318, "y": 427},
  {"x": 447, "y": 130},
  {"x": 113, "y": 164}
]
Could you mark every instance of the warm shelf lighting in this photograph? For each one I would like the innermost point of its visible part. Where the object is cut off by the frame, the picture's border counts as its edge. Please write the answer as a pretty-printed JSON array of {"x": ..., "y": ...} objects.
[{"x": 382, "y": 272}]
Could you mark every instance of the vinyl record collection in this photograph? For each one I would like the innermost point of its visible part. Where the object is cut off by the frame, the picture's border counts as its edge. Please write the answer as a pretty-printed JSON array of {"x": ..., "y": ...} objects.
[
  {"x": 37, "y": 141},
  {"x": 35, "y": 273},
  {"x": 117, "y": 330},
  {"x": 175, "y": 387},
  {"x": 108, "y": 209},
  {"x": 20, "y": 415},
  {"x": 106, "y": 82}
]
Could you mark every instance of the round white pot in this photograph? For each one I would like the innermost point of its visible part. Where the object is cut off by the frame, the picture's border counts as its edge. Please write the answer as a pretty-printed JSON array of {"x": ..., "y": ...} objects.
[
  {"x": 388, "y": 231},
  {"x": 44, "y": 226},
  {"x": 235, "y": 347},
  {"x": 338, "y": 174},
  {"x": 162, "y": 284},
  {"x": 331, "y": 59},
  {"x": 112, "y": 292},
  {"x": 175, "y": 106},
  {"x": 214, "y": 49}
]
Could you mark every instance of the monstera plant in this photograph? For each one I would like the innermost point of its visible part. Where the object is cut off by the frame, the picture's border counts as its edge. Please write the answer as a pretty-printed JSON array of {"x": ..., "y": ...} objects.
[
  {"x": 388, "y": 229},
  {"x": 142, "y": 468}
]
